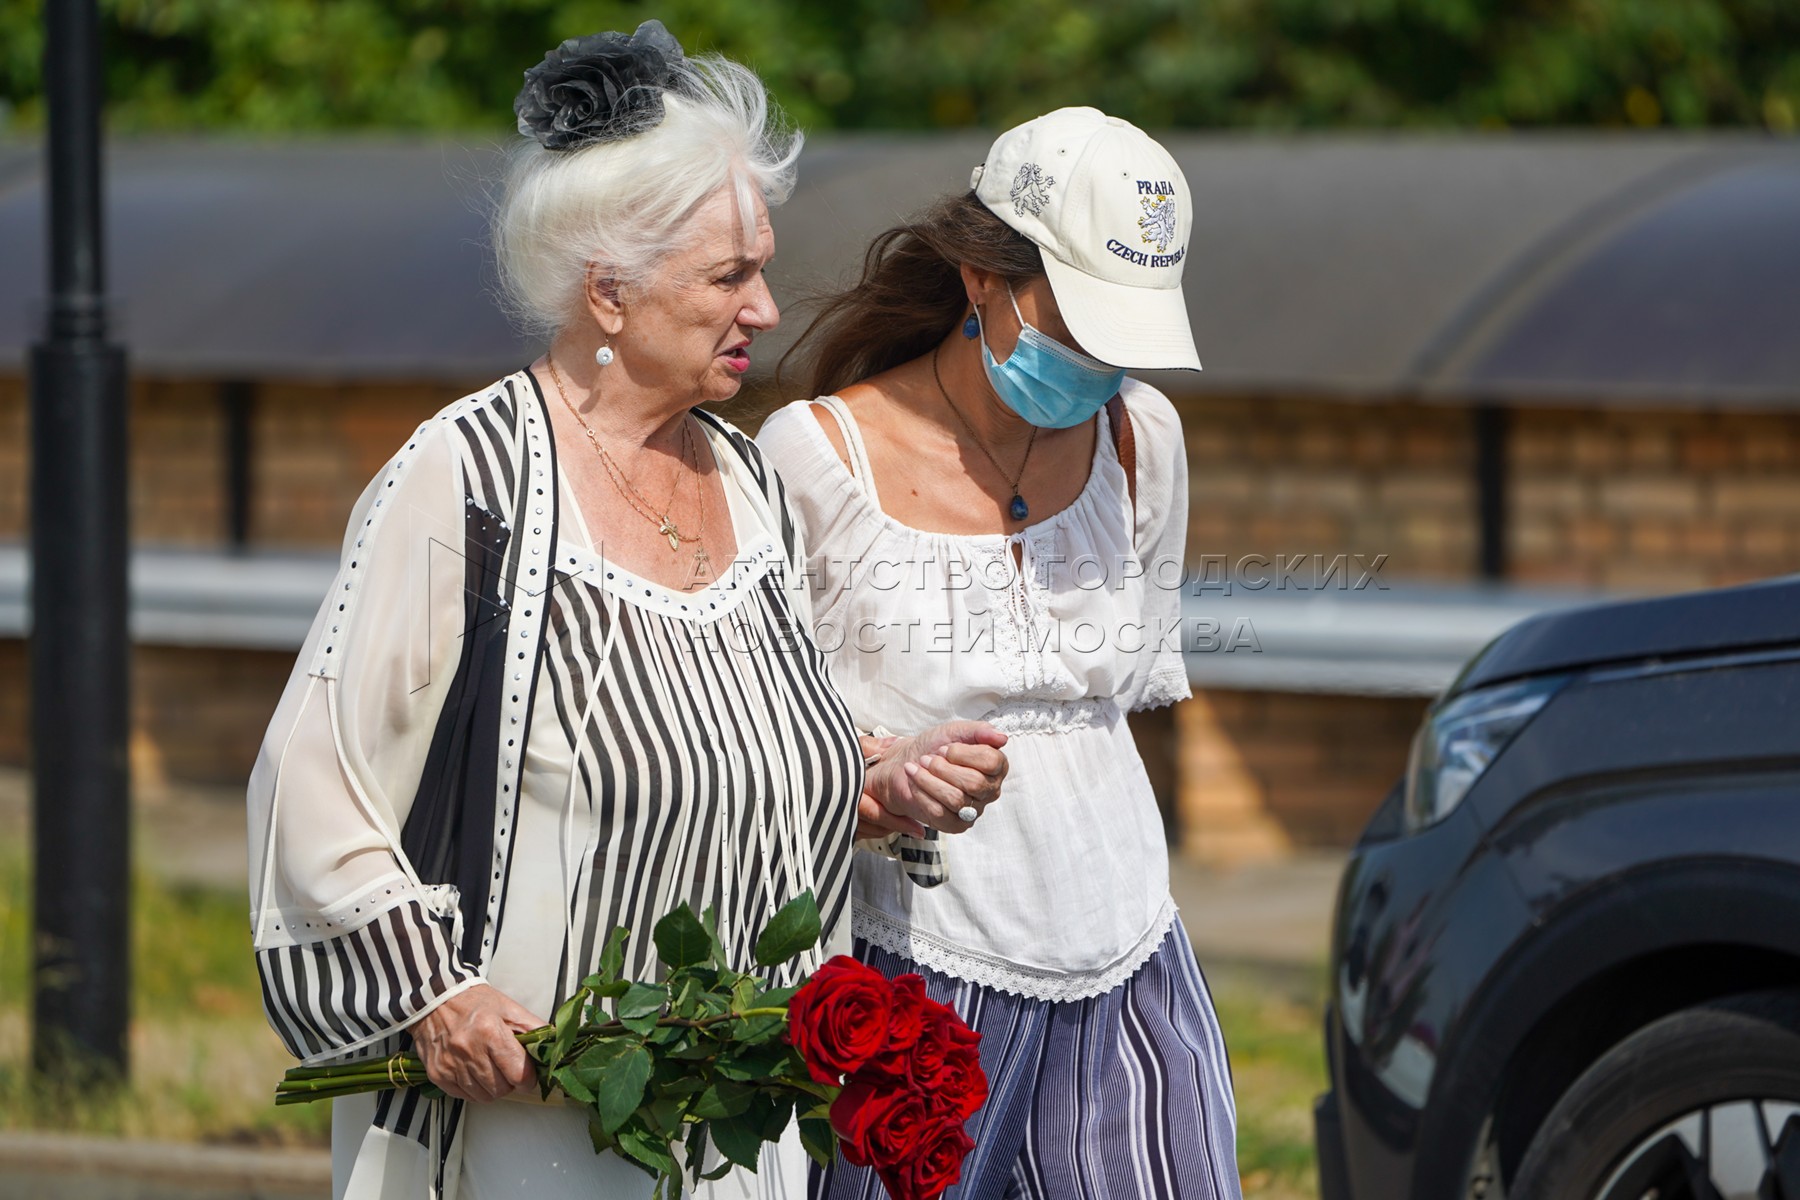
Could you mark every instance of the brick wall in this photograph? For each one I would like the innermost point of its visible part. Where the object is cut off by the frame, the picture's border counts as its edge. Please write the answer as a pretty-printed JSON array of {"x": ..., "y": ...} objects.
[
  {"x": 1654, "y": 501},
  {"x": 1275, "y": 476},
  {"x": 196, "y": 714},
  {"x": 1263, "y": 772},
  {"x": 1634, "y": 499},
  {"x": 1628, "y": 499},
  {"x": 313, "y": 447}
]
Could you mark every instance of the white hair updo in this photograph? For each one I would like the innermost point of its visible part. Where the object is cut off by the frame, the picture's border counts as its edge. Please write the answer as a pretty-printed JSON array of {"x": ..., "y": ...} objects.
[{"x": 622, "y": 204}]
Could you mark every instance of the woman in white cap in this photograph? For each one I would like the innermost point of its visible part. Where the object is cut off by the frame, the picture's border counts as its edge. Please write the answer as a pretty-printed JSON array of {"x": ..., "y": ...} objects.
[{"x": 996, "y": 517}]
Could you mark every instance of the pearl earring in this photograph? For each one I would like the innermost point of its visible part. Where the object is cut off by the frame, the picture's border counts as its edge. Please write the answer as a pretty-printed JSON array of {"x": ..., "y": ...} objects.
[{"x": 604, "y": 356}]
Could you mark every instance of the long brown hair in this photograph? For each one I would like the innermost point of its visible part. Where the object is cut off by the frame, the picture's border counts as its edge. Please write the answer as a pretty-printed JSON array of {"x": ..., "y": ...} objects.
[{"x": 910, "y": 295}]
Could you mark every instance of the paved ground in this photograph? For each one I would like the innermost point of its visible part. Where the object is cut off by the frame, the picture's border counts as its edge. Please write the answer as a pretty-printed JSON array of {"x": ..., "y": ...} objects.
[{"x": 46, "y": 1166}]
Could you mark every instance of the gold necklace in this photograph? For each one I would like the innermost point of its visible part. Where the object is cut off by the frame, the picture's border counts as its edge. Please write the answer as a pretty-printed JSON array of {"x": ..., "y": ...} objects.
[
  {"x": 639, "y": 503},
  {"x": 1016, "y": 507}
]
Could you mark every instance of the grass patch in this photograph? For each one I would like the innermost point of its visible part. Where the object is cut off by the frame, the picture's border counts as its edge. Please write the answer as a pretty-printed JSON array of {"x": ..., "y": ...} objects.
[
  {"x": 1272, "y": 1033},
  {"x": 204, "y": 1063}
]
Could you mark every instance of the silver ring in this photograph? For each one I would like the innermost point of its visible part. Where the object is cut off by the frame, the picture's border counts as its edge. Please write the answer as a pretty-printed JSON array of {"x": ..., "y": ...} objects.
[{"x": 968, "y": 813}]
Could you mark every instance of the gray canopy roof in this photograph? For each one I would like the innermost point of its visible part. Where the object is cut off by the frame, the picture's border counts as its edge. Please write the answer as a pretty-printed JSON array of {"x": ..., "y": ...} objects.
[{"x": 1507, "y": 267}]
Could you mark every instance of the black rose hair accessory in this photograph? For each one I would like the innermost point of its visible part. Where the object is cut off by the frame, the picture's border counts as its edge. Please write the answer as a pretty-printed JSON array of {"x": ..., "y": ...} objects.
[{"x": 598, "y": 88}]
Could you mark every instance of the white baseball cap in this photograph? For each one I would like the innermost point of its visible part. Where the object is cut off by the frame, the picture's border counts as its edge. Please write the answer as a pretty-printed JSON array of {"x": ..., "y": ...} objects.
[{"x": 1110, "y": 212}]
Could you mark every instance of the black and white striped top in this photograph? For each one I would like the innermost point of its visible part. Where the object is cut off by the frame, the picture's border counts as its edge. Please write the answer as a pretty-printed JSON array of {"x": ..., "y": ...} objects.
[{"x": 496, "y": 745}]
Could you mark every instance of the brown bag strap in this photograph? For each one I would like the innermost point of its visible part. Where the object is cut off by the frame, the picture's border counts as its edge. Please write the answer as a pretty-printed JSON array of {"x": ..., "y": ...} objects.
[{"x": 1124, "y": 445}]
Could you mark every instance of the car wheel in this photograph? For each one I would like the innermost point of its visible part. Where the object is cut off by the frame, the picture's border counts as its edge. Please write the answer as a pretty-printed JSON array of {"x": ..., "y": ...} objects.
[{"x": 1703, "y": 1104}]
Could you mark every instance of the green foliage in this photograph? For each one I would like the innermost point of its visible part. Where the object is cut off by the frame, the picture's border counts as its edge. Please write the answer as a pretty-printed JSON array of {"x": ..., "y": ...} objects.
[
  {"x": 694, "y": 1058},
  {"x": 200, "y": 1043},
  {"x": 454, "y": 65},
  {"x": 790, "y": 931}
]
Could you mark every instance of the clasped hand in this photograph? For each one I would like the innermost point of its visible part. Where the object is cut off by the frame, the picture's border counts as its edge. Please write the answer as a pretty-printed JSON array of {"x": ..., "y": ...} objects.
[
  {"x": 468, "y": 1046},
  {"x": 927, "y": 779}
]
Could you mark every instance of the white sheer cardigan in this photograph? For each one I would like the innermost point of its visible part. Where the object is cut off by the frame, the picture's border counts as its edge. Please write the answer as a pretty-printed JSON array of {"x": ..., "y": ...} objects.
[{"x": 441, "y": 591}]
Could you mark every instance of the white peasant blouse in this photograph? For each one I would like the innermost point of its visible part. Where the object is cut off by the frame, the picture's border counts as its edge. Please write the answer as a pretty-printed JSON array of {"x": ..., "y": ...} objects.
[{"x": 1061, "y": 891}]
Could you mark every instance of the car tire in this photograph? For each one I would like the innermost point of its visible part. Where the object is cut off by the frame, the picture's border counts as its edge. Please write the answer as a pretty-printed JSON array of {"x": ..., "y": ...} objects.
[{"x": 1703, "y": 1104}]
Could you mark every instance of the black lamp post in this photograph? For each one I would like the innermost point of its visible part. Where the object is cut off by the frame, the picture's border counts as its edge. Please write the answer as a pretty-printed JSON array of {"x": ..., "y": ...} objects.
[{"x": 80, "y": 646}]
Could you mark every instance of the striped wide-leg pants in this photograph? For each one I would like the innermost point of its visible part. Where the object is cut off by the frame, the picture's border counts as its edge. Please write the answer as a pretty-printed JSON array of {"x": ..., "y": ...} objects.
[{"x": 1121, "y": 1096}]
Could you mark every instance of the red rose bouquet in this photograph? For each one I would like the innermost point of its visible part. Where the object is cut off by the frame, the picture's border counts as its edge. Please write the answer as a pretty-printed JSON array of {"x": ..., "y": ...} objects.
[
  {"x": 710, "y": 1055},
  {"x": 908, "y": 1069}
]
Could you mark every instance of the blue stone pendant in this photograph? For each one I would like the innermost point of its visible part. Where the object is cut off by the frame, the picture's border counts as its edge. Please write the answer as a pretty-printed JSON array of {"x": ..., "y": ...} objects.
[
  {"x": 1018, "y": 508},
  {"x": 971, "y": 327}
]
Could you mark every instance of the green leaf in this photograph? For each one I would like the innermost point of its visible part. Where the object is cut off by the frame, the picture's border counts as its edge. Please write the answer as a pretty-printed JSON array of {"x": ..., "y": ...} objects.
[
  {"x": 693, "y": 1051},
  {"x": 684, "y": 1004},
  {"x": 696, "y": 1148},
  {"x": 570, "y": 1082},
  {"x": 610, "y": 991},
  {"x": 753, "y": 1062},
  {"x": 687, "y": 1085},
  {"x": 602, "y": 1140},
  {"x": 773, "y": 998},
  {"x": 615, "y": 1071},
  {"x": 642, "y": 998},
  {"x": 643, "y": 1026},
  {"x": 681, "y": 941},
  {"x": 665, "y": 1113},
  {"x": 648, "y": 1150},
  {"x": 775, "y": 1120},
  {"x": 568, "y": 1024},
  {"x": 791, "y": 931},
  {"x": 742, "y": 989},
  {"x": 706, "y": 977},
  {"x": 723, "y": 1098},
  {"x": 755, "y": 1031},
  {"x": 738, "y": 1139},
  {"x": 612, "y": 956},
  {"x": 823, "y": 1091},
  {"x": 818, "y": 1139},
  {"x": 709, "y": 920}
]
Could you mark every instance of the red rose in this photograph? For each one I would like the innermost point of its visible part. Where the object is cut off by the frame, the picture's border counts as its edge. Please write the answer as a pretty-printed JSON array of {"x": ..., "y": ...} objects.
[
  {"x": 892, "y": 1067},
  {"x": 909, "y": 1011},
  {"x": 963, "y": 1087},
  {"x": 839, "y": 1018},
  {"x": 935, "y": 1166},
  {"x": 880, "y": 1125},
  {"x": 942, "y": 1031},
  {"x": 907, "y": 1019}
]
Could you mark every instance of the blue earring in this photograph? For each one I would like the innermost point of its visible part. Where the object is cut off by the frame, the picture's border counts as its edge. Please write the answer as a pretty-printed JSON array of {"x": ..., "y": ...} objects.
[{"x": 971, "y": 327}]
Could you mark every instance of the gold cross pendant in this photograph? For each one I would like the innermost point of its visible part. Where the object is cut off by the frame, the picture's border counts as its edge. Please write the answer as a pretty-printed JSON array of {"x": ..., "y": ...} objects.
[{"x": 669, "y": 531}]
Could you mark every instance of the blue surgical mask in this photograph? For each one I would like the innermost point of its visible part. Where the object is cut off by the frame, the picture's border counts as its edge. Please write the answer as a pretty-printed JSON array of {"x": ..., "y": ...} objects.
[{"x": 1046, "y": 382}]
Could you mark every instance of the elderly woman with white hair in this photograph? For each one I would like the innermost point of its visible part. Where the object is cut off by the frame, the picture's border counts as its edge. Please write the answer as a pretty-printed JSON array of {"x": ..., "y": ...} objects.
[{"x": 564, "y": 679}]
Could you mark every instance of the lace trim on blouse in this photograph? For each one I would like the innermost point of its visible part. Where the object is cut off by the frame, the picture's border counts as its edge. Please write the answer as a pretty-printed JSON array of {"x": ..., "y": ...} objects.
[
  {"x": 1033, "y": 983},
  {"x": 1166, "y": 685},
  {"x": 1053, "y": 716}
]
